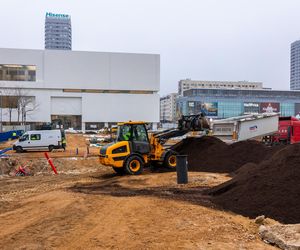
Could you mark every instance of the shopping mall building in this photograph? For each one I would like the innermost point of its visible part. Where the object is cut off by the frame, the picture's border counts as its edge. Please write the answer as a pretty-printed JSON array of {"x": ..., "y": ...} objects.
[
  {"x": 85, "y": 90},
  {"x": 225, "y": 103}
]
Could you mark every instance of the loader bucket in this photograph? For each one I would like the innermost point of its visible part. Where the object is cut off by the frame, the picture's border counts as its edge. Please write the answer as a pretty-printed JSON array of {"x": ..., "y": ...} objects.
[{"x": 193, "y": 122}]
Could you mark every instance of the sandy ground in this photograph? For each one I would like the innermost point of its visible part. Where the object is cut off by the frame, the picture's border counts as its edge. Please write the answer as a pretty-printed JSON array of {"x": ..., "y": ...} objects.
[
  {"x": 88, "y": 206},
  {"x": 97, "y": 209}
]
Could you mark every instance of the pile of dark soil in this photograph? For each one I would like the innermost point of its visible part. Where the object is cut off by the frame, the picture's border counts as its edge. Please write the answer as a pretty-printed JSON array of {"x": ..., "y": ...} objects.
[
  {"x": 209, "y": 154},
  {"x": 271, "y": 188}
]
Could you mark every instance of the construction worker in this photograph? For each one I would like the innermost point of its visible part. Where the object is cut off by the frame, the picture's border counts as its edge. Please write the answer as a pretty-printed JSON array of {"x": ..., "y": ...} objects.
[
  {"x": 33, "y": 137},
  {"x": 126, "y": 133},
  {"x": 64, "y": 143},
  {"x": 14, "y": 135}
]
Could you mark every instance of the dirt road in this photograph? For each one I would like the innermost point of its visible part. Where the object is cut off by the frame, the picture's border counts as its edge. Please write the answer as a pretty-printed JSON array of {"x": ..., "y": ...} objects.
[{"x": 101, "y": 210}]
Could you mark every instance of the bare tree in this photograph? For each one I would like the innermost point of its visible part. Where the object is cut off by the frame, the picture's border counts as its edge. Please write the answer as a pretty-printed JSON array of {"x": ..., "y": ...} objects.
[
  {"x": 10, "y": 102},
  {"x": 28, "y": 107},
  {"x": 26, "y": 104},
  {"x": 18, "y": 99}
]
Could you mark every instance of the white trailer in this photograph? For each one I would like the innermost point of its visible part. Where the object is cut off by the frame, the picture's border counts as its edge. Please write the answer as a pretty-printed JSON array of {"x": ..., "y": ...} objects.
[{"x": 245, "y": 127}]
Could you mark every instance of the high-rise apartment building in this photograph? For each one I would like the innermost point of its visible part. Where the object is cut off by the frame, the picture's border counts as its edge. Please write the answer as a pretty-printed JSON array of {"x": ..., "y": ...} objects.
[
  {"x": 58, "y": 31},
  {"x": 187, "y": 84},
  {"x": 168, "y": 108},
  {"x": 295, "y": 66}
]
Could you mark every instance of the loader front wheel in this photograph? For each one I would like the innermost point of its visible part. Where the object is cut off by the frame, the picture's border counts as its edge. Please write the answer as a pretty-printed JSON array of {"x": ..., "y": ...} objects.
[
  {"x": 119, "y": 170},
  {"x": 170, "y": 160},
  {"x": 134, "y": 165}
]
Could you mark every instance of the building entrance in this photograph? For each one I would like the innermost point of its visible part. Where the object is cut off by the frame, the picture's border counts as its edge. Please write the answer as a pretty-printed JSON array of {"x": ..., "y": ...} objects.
[{"x": 67, "y": 121}]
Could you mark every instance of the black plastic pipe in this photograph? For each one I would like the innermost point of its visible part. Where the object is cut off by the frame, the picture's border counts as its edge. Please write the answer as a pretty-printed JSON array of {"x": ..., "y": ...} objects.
[{"x": 181, "y": 169}]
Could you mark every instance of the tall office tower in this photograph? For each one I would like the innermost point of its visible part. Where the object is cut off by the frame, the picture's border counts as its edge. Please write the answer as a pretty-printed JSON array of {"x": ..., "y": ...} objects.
[
  {"x": 295, "y": 66},
  {"x": 58, "y": 31}
]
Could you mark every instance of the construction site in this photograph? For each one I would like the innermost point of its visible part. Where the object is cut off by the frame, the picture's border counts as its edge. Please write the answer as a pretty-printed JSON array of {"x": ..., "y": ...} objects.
[
  {"x": 150, "y": 125},
  {"x": 242, "y": 194}
]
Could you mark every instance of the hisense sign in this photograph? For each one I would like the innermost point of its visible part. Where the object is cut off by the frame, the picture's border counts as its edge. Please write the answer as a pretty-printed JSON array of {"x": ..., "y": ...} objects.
[{"x": 64, "y": 16}]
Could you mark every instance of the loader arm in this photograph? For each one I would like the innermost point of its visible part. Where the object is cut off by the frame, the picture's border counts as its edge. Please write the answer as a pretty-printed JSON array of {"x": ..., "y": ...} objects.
[{"x": 185, "y": 124}]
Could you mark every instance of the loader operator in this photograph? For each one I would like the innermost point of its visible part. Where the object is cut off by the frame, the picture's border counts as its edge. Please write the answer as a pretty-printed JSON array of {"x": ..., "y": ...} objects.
[{"x": 126, "y": 133}]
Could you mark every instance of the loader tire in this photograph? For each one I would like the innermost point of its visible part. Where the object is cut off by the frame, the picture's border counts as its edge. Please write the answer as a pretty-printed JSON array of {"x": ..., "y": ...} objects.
[
  {"x": 120, "y": 171},
  {"x": 134, "y": 165},
  {"x": 170, "y": 160}
]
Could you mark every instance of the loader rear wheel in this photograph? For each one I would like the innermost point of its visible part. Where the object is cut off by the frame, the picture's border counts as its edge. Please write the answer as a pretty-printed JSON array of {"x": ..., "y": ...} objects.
[
  {"x": 134, "y": 165},
  {"x": 170, "y": 160},
  {"x": 119, "y": 170}
]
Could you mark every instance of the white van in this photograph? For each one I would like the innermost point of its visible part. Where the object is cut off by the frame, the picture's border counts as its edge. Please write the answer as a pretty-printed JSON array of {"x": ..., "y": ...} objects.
[{"x": 39, "y": 140}]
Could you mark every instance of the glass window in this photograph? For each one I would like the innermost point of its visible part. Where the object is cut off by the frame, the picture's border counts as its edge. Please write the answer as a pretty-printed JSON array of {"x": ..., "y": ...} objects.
[
  {"x": 16, "y": 72},
  {"x": 24, "y": 137},
  {"x": 35, "y": 137},
  {"x": 140, "y": 133},
  {"x": 10, "y": 102},
  {"x": 124, "y": 133},
  {"x": 287, "y": 109},
  {"x": 68, "y": 121}
]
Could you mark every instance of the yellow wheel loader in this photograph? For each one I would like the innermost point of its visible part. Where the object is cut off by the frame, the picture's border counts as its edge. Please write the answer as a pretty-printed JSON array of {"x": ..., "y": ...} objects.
[{"x": 134, "y": 147}]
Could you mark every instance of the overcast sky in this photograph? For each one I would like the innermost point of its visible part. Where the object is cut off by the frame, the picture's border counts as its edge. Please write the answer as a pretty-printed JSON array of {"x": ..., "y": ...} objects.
[{"x": 197, "y": 39}]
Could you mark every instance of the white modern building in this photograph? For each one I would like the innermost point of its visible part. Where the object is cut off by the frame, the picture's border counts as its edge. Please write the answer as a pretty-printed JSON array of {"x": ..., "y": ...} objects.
[
  {"x": 187, "y": 84},
  {"x": 83, "y": 89},
  {"x": 168, "y": 108}
]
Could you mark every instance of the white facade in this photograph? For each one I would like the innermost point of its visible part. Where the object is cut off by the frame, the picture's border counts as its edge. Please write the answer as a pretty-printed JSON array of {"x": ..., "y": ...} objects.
[
  {"x": 193, "y": 84},
  {"x": 98, "y": 86},
  {"x": 168, "y": 108}
]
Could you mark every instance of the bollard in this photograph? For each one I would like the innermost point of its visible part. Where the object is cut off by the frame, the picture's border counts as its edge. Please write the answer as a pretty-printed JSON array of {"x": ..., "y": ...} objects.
[
  {"x": 50, "y": 162},
  {"x": 181, "y": 169}
]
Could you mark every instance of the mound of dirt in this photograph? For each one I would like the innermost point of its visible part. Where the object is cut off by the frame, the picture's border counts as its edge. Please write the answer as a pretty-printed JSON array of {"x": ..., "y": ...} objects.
[
  {"x": 8, "y": 166},
  {"x": 209, "y": 154},
  {"x": 271, "y": 188},
  {"x": 40, "y": 166}
]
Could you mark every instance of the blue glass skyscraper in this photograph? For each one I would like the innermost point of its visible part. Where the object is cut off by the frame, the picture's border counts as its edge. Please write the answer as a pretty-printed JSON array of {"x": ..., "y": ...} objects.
[{"x": 295, "y": 66}]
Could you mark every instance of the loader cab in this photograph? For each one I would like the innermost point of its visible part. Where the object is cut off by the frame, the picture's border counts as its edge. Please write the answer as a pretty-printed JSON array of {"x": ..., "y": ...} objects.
[{"x": 136, "y": 134}]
